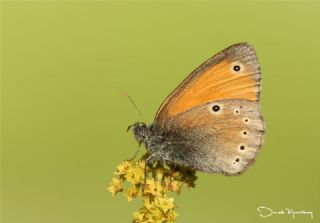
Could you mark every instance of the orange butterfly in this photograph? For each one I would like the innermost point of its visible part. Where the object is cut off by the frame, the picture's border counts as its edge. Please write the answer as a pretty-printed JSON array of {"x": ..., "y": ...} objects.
[{"x": 212, "y": 121}]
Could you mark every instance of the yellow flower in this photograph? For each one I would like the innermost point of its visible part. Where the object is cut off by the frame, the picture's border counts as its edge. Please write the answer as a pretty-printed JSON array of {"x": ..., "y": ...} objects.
[
  {"x": 157, "y": 207},
  {"x": 177, "y": 175},
  {"x": 154, "y": 215},
  {"x": 159, "y": 189},
  {"x": 147, "y": 203},
  {"x": 159, "y": 173},
  {"x": 134, "y": 175},
  {"x": 165, "y": 203},
  {"x": 138, "y": 217},
  {"x": 123, "y": 168},
  {"x": 158, "y": 210},
  {"x": 141, "y": 164},
  {"x": 150, "y": 187},
  {"x": 115, "y": 186},
  {"x": 132, "y": 193},
  {"x": 171, "y": 216},
  {"x": 172, "y": 185}
]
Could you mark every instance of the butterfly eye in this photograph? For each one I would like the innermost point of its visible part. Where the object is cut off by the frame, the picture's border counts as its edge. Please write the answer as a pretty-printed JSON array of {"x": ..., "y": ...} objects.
[
  {"x": 242, "y": 147},
  {"x": 216, "y": 108}
]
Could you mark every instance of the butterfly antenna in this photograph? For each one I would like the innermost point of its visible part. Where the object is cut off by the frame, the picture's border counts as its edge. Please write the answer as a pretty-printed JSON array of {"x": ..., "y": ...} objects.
[{"x": 132, "y": 102}]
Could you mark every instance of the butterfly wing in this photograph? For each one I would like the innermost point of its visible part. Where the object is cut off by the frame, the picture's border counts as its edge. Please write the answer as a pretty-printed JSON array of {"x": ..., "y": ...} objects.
[
  {"x": 212, "y": 120},
  {"x": 232, "y": 73},
  {"x": 224, "y": 140}
]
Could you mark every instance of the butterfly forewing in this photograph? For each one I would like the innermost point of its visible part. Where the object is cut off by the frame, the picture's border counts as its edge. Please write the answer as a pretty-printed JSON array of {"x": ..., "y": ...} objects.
[{"x": 232, "y": 73}]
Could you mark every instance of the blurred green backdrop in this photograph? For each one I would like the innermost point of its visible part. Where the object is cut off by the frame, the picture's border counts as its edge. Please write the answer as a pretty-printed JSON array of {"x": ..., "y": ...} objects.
[{"x": 65, "y": 65}]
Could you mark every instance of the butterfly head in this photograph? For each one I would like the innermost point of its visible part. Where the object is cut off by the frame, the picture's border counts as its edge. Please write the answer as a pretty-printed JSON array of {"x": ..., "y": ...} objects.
[{"x": 140, "y": 131}]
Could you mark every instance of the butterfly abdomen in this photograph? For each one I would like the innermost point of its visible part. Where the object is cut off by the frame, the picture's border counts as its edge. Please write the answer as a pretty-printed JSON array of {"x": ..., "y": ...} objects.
[{"x": 171, "y": 148}]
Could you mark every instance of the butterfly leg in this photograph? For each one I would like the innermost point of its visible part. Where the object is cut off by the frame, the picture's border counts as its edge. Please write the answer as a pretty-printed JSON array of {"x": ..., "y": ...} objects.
[
  {"x": 173, "y": 166},
  {"x": 135, "y": 154},
  {"x": 147, "y": 162},
  {"x": 170, "y": 175}
]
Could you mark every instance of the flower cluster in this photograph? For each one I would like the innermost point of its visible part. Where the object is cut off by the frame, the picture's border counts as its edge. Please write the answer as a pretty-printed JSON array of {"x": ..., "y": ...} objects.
[{"x": 153, "y": 186}]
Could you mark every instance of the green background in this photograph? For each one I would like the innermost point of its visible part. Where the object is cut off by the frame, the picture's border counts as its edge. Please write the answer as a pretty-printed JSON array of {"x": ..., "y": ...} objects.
[{"x": 65, "y": 65}]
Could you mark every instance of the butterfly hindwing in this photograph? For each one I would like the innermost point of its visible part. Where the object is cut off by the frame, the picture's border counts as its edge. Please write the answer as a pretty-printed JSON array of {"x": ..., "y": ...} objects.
[{"x": 221, "y": 136}]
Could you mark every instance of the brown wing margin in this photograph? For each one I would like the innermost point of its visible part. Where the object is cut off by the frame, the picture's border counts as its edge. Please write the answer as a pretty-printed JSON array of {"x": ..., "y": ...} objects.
[{"x": 216, "y": 79}]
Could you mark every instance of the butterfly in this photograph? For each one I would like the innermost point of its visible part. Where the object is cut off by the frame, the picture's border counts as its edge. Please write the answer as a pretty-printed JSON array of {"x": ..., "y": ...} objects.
[{"x": 212, "y": 121}]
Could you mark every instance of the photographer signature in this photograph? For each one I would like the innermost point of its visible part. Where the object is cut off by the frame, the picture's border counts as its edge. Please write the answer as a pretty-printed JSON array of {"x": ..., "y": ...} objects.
[{"x": 267, "y": 212}]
